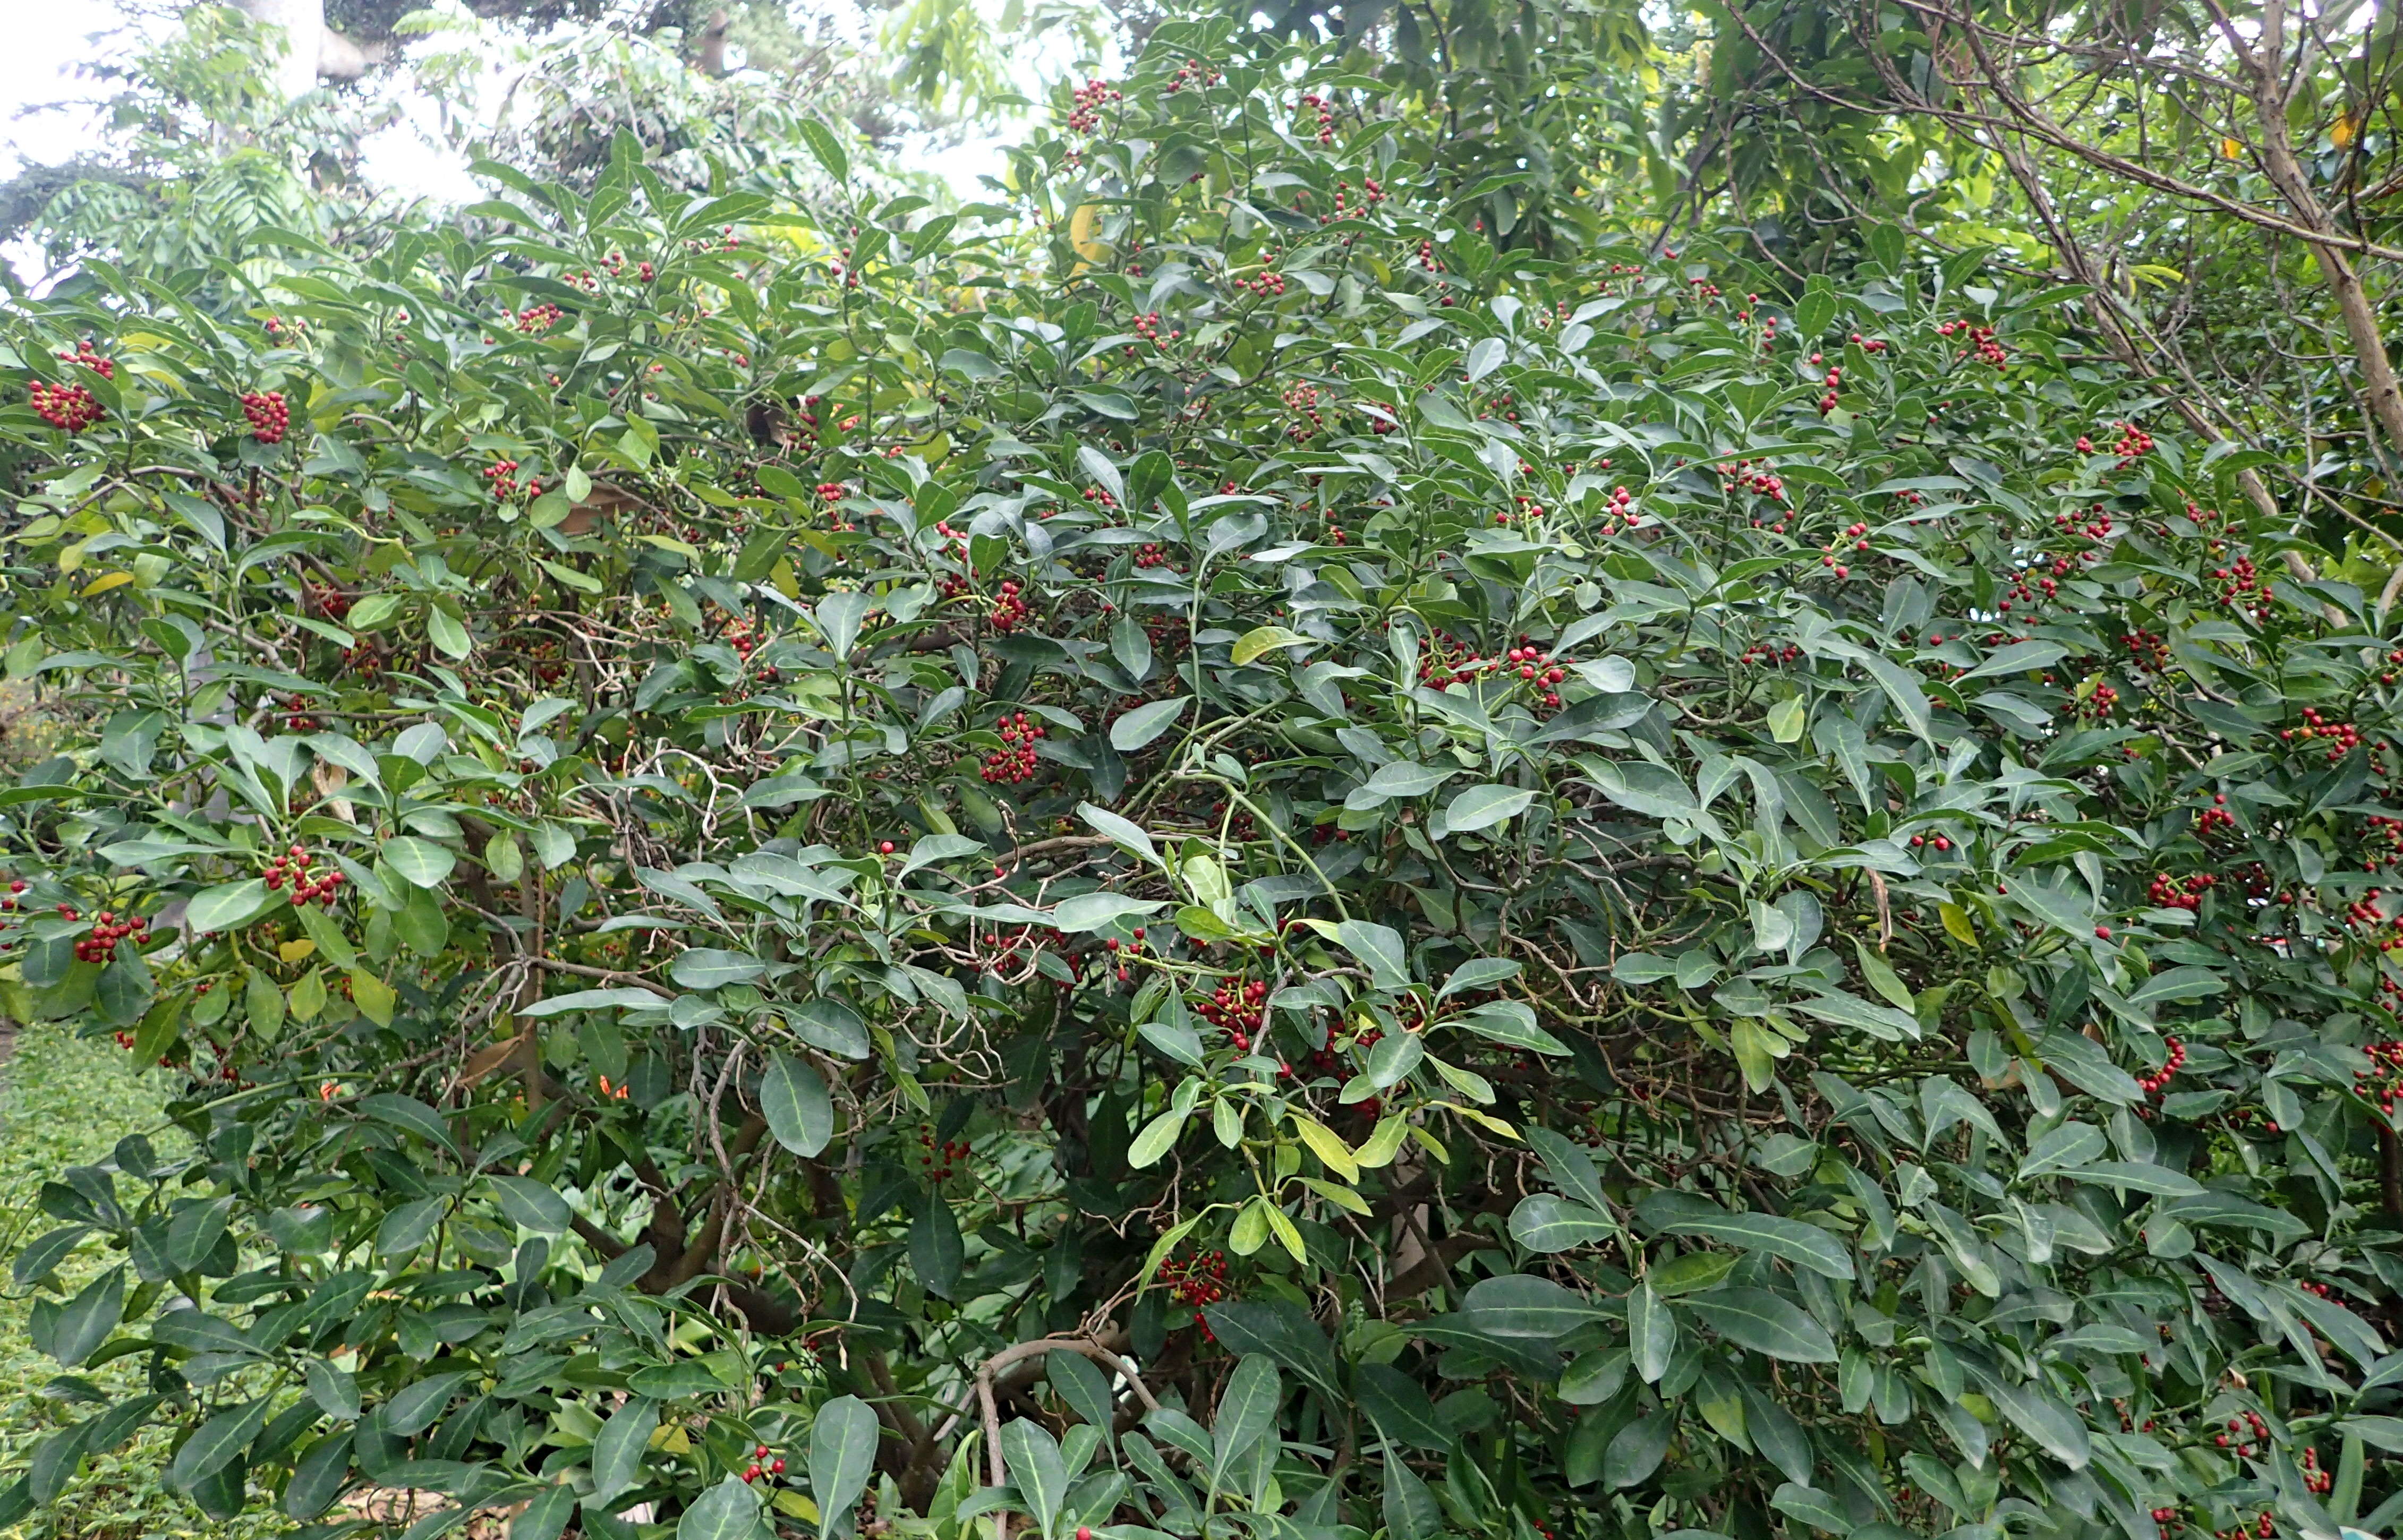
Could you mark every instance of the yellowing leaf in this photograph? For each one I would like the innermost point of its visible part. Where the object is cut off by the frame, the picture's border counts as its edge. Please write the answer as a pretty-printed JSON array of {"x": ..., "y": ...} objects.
[
  {"x": 1328, "y": 1145},
  {"x": 373, "y": 996},
  {"x": 1264, "y": 639},
  {"x": 792, "y": 1505},
  {"x": 1956, "y": 923},
  {"x": 105, "y": 582},
  {"x": 309, "y": 996},
  {"x": 1084, "y": 227},
  {"x": 1286, "y": 1233},
  {"x": 1484, "y": 1120},
  {"x": 1383, "y": 1144},
  {"x": 293, "y": 951}
]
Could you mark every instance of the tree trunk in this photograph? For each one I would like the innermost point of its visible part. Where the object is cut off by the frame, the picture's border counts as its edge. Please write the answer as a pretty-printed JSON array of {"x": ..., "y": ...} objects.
[
  {"x": 2264, "y": 65},
  {"x": 312, "y": 49}
]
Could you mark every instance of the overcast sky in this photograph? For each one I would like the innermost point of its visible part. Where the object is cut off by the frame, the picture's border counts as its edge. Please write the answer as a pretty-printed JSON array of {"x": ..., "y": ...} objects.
[{"x": 45, "y": 39}]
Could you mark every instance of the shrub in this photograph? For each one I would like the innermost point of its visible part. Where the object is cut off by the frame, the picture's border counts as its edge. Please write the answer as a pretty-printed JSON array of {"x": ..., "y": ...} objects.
[{"x": 1199, "y": 843}]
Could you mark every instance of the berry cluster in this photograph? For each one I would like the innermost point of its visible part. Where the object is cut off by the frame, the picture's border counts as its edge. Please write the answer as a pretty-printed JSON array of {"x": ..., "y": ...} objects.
[
  {"x": 761, "y": 1465},
  {"x": 2102, "y": 703},
  {"x": 1943, "y": 842},
  {"x": 1010, "y": 609},
  {"x": 1266, "y": 281},
  {"x": 1761, "y": 652},
  {"x": 2244, "y": 587},
  {"x": 2133, "y": 444},
  {"x": 1151, "y": 556},
  {"x": 2340, "y": 735},
  {"x": 1869, "y": 344},
  {"x": 1125, "y": 950},
  {"x": 2215, "y": 817},
  {"x": 1014, "y": 764},
  {"x": 1084, "y": 113},
  {"x": 1238, "y": 1008},
  {"x": 1834, "y": 382},
  {"x": 1302, "y": 397},
  {"x": 540, "y": 318},
  {"x": 1619, "y": 506},
  {"x": 1147, "y": 328},
  {"x": 1858, "y": 534},
  {"x": 69, "y": 408},
  {"x": 2244, "y": 1435},
  {"x": 2171, "y": 893},
  {"x": 1980, "y": 340},
  {"x": 293, "y": 867},
  {"x": 268, "y": 416},
  {"x": 2383, "y": 1081},
  {"x": 1755, "y": 475},
  {"x": 1199, "y": 1282},
  {"x": 1382, "y": 420},
  {"x": 1191, "y": 73},
  {"x": 2153, "y": 1083},
  {"x": 1313, "y": 103},
  {"x": 502, "y": 477},
  {"x": 937, "y": 1158},
  {"x": 108, "y": 929}
]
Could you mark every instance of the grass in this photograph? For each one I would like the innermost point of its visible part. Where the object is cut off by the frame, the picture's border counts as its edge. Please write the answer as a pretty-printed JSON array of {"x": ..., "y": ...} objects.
[{"x": 65, "y": 1102}]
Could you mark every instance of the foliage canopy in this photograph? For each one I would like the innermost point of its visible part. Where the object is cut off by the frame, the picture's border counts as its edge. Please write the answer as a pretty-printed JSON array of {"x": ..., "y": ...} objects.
[{"x": 1208, "y": 851}]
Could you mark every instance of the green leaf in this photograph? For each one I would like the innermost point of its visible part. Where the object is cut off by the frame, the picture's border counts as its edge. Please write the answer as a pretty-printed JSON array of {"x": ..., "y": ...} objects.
[
  {"x": 1398, "y": 1408},
  {"x": 1146, "y": 722},
  {"x": 1760, "y": 1320},
  {"x": 1651, "y": 1333},
  {"x": 1638, "y": 1449},
  {"x": 2072, "y": 1143},
  {"x": 1881, "y": 976},
  {"x": 936, "y": 1253},
  {"x": 1036, "y": 1466},
  {"x": 2133, "y": 1176},
  {"x": 85, "y": 1321},
  {"x": 1410, "y": 1510},
  {"x": 1517, "y": 1304},
  {"x": 1379, "y": 950},
  {"x": 1511, "y": 1023},
  {"x": 1483, "y": 807},
  {"x": 829, "y": 154},
  {"x": 531, "y": 1204},
  {"x": 621, "y": 999},
  {"x": 1545, "y": 1222},
  {"x": 1806, "y": 1246},
  {"x": 1246, "y": 1412},
  {"x": 215, "y": 1443},
  {"x": 793, "y": 1098},
  {"x": 1092, "y": 912},
  {"x": 1813, "y": 1506},
  {"x": 415, "y": 1407},
  {"x": 842, "y": 1457},
  {"x": 230, "y": 906},
  {"x": 420, "y": 863},
  {"x": 727, "y": 1511},
  {"x": 618, "y": 1452},
  {"x": 706, "y": 968}
]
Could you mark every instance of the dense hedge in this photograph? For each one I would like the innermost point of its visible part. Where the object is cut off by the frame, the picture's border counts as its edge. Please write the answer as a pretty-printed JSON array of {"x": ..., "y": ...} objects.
[{"x": 1197, "y": 850}]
